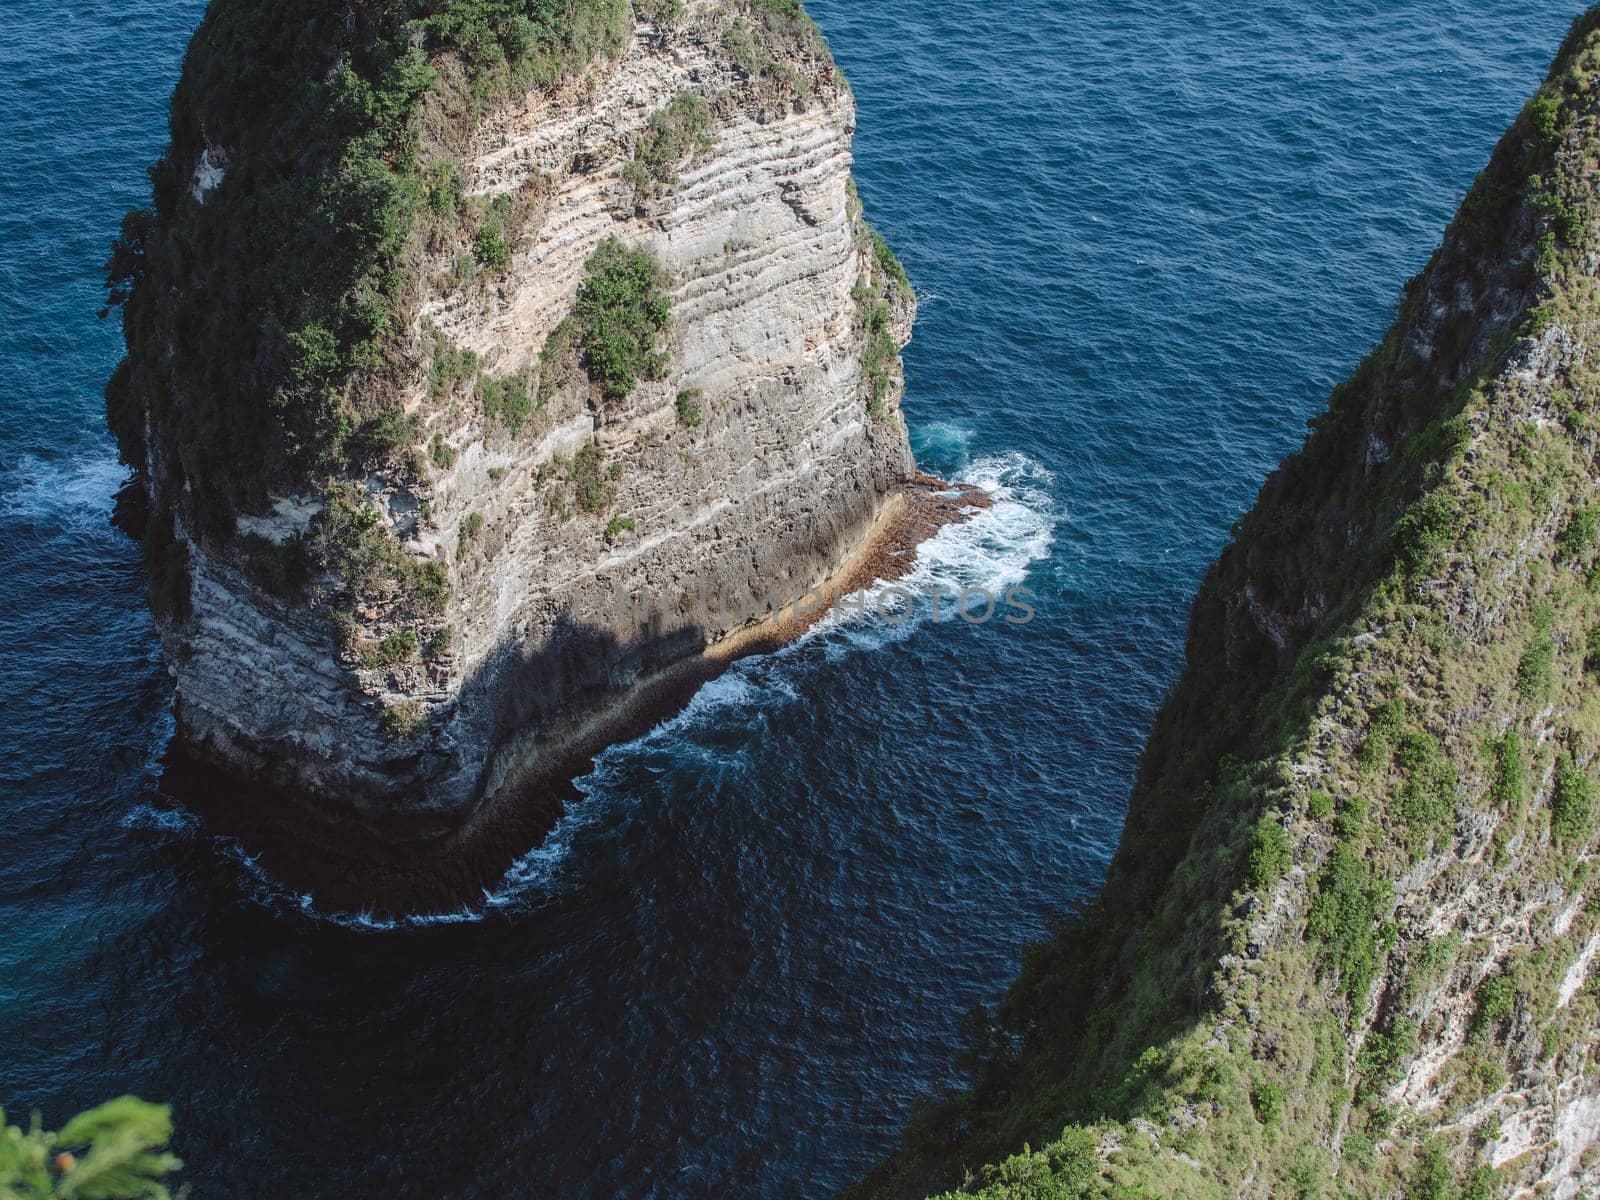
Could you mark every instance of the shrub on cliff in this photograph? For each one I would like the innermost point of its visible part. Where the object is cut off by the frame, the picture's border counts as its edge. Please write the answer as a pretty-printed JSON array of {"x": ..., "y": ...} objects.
[
  {"x": 888, "y": 262},
  {"x": 1270, "y": 854},
  {"x": 1510, "y": 786},
  {"x": 876, "y": 292},
  {"x": 690, "y": 414},
  {"x": 439, "y": 644},
  {"x": 621, "y": 313},
  {"x": 1535, "y": 667},
  {"x": 279, "y": 568},
  {"x": 394, "y": 649},
  {"x": 879, "y": 357},
  {"x": 1428, "y": 792},
  {"x": 1579, "y": 535},
  {"x": 402, "y": 719},
  {"x": 166, "y": 563},
  {"x": 775, "y": 32},
  {"x": 1267, "y": 1098},
  {"x": 442, "y": 453},
  {"x": 351, "y": 539},
  {"x": 385, "y": 438},
  {"x": 673, "y": 134},
  {"x": 490, "y": 248},
  {"x": 593, "y": 487},
  {"x": 1496, "y": 1000},
  {"x": 1344, "y": 914},
  {"x": 526, "y": 43},
  {"x": 1572, "y": 806}
]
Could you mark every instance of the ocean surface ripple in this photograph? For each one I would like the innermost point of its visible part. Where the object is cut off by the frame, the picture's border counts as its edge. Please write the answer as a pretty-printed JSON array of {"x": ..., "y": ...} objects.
[{"x": 1149, "y": 238}]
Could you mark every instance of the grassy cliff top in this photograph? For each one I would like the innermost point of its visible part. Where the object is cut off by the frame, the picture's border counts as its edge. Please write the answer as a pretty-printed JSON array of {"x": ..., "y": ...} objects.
[{"x": 1374, "y": 775}]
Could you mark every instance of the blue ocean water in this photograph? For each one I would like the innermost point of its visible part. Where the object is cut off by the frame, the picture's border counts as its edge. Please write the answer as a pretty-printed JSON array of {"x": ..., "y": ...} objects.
[{"x": 1148, "y": 238}]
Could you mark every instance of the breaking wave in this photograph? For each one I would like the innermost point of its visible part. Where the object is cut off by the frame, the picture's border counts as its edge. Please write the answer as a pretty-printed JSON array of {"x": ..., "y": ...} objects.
[{"x": 988, "y": 554}]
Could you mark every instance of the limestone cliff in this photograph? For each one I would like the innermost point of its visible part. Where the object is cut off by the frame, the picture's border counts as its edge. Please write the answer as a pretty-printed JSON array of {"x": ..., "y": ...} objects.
[
  {"x": 1348, "y": 946},
  {"x": 613, "y": 338}
]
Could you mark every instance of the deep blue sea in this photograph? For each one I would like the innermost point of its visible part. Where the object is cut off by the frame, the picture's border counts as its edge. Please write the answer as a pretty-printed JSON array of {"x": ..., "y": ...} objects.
[{"x": 1149, "y": 238}]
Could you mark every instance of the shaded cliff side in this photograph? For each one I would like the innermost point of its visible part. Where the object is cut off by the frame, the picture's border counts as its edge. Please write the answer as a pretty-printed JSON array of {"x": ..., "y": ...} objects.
[
  {"x": 1348, "y": 945},
  {"x": 487, "y": 358}
]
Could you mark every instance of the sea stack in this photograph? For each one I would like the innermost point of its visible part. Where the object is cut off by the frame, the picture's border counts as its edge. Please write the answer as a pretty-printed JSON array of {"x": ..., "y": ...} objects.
[{"x": 485, "y": 367}]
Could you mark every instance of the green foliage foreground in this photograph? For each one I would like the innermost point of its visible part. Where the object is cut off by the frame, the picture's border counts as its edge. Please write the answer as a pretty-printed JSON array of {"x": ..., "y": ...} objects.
[{"x": 114, "y": 1152}]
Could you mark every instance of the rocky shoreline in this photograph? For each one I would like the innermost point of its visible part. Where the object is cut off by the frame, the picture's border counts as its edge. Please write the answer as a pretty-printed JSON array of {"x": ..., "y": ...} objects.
[{"x": 348, "y": 866}]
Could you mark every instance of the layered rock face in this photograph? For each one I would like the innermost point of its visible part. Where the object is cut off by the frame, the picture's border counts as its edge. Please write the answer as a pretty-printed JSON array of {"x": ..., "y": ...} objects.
[
  {"x": 573, "y": 540},
  {"x": 1348, "y": 944}
]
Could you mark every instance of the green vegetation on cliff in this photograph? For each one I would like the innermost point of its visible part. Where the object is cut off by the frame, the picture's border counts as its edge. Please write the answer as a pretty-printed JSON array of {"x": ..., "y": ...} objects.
[
  {"x": 674, "y": 134},
  {"x": 311, "y": 201},
  {"x": 877, "y": 296},
  {"x": 1371, "y": 788},
  {"x": 621, "y": 312}
]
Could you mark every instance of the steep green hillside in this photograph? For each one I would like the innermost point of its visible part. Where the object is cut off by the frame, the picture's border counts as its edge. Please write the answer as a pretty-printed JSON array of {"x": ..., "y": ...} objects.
[{"x": 1345, "y": 946}]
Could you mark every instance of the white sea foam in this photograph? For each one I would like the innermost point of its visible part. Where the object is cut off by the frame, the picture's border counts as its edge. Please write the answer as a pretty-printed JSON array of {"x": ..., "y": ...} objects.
[
  {"x": 991, "y": 552},
  {"x": 268, "y": 892},
  {"x": 74, "y": 490},
  {"x": 988, "y": 554},
  {"x": 161, "y": 820}
]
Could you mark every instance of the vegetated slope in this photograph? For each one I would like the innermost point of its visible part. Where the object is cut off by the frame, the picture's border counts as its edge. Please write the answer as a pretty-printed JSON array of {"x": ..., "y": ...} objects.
[
  {"x": 274, "y": 306},
  {"x": 1348, "y": 944}
]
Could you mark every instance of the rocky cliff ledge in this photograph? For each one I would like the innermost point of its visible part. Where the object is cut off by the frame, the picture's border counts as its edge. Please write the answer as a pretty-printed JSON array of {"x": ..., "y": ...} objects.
[
  {"x": 486, "y": 360},
  {"x": 1349, "y": 944}
]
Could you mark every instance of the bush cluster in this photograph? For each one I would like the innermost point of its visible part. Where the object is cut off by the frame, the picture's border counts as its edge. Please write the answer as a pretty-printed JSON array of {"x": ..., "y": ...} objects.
[
  {"x": 351, "y": 539},
  {"x": 1344, "y": 913},
  {"x": 402, "y": 719},
  {"x": 621, "y": 313},
  {"x": 673, "y": 134},
  {"x": 1573, "y": 804},
  {"x": 690, "y": 415},
  {"x": 594, "y": 488}
]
